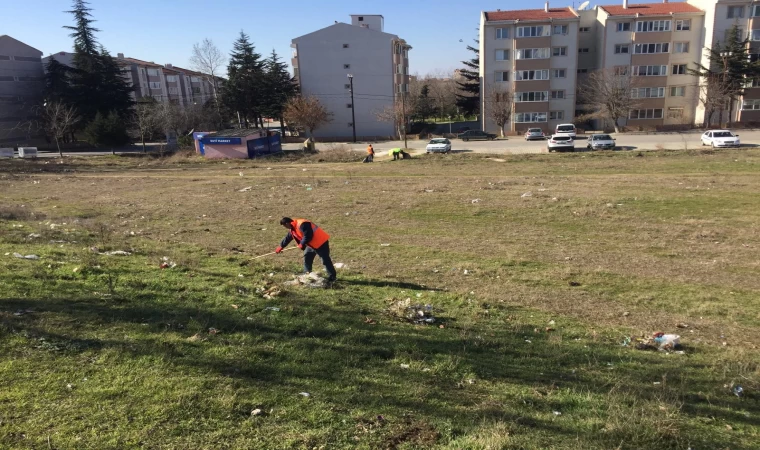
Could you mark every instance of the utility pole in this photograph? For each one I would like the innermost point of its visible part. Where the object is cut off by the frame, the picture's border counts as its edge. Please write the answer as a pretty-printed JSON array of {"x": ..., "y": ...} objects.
[{"x": 353, "y": 116}]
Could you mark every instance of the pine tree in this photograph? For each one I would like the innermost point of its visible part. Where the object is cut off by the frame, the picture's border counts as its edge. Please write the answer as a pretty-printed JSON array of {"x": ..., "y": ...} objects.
[
  {"x": 468, "y": 100},
  {"x": 424, "y": 106},
  {"x": 95, "y": 80},
  {"x": 278, "y": 86},
  {"x": 57, "y": 87},
  {"x": 242, "y": 92}
]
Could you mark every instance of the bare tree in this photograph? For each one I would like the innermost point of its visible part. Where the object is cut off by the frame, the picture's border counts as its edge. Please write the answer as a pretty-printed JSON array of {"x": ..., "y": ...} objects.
[
  {"x": 715, "y": 94},
  {"x": 306, "y": 112},
  {"x": 500, "y": 104},
  {"x": 606, "y": 94},
  {"x": 147, "y": 119},
  {"x": 57, "y": 120},
  {"x": 208, "y": 59},
  {"x": 397, "y": 114}
]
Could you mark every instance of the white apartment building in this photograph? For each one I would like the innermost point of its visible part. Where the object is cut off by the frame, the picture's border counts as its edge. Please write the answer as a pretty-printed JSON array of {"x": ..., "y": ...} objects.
[
  {"x": 377, "y": 61},
  {"x": 720, "y": 17},
  {"x": 532, "y": 54},
  {"x": 21, "y": 85}
]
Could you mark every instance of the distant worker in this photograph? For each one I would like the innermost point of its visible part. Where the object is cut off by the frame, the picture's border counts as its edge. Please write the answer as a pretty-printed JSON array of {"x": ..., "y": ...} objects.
[
  {"x": 308, "y": 145},
  {"x": 395, "y": 153},
  {"x": 370, "y": 154},
  {"x": 312, "y": 240}
]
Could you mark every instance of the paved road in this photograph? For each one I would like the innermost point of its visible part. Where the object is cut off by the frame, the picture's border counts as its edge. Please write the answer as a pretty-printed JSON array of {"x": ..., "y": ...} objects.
[{"x": 517, "y": 145}]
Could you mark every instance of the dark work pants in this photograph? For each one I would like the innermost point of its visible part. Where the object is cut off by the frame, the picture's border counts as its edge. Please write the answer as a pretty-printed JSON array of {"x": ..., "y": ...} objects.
[{"x": 324, "y": 254}]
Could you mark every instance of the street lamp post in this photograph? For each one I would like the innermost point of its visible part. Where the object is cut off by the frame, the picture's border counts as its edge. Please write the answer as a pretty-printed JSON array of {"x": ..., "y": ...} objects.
[
  {"x": 725, "y": 56},
  {"x": 353, "y": 115}
]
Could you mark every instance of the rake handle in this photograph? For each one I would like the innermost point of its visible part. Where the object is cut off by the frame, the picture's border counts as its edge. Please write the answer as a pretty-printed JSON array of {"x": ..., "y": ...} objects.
[{"x": 272, "y": 253}]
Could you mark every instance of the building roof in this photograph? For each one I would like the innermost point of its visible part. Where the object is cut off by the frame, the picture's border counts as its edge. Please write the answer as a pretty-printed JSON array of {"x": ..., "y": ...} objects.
[
  {"x": 139, "y": 62},
  {"x": 6, "y": 37},
  {"x": 532, "y": 14},
  {"x": 650, "y": 9},
  {"x": 235, "y": 132},
  {"x": 348, "y": 28}
]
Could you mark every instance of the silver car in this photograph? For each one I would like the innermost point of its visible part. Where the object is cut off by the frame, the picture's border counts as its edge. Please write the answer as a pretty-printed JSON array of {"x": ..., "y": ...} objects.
[
  {"x": 600, "y": 142},
  {"x": 438, "y": 145}
]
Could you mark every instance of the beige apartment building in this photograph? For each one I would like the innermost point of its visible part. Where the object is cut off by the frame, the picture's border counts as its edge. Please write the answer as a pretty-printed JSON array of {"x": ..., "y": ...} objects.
[
  {"x": 533, "y": 55},
  {"x": 720, "y": 17},
  {"x": 21, "y": 85}
]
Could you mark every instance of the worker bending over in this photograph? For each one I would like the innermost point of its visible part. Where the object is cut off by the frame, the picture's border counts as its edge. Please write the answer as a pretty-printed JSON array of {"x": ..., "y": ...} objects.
[{"x": 312, "y": 240}]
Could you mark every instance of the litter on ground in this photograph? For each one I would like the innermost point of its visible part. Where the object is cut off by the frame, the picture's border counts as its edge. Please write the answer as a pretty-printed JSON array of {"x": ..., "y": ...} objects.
[
  {"x": 414, "y": 313},
  {"x": 19, "y": 255},
  {"x": 311, "y": 280}
]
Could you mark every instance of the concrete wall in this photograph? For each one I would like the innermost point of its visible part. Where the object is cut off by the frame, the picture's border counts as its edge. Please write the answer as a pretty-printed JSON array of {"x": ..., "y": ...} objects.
[
  {"x": 21, "y": 85},
  {"x": 321, "y": 73}
]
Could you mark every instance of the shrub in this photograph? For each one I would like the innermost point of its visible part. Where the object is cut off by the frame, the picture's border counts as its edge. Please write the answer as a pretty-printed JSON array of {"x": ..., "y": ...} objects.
[{"x": 107, "y": 131}]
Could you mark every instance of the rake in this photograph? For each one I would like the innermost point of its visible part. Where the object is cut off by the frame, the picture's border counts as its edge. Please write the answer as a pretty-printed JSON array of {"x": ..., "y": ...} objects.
[{"x": 272, "y": 253}]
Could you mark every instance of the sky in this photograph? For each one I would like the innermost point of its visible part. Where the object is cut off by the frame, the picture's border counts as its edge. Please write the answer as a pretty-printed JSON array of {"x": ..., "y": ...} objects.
[{"x": 164, "y": 31}]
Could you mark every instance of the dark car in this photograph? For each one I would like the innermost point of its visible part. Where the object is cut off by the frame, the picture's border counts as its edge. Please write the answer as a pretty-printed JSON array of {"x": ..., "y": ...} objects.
[{"x": 476, "y": 134}]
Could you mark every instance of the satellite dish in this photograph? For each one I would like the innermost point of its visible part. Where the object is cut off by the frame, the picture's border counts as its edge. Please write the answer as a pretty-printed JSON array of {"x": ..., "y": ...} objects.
[{"x": 583, "y": 6}]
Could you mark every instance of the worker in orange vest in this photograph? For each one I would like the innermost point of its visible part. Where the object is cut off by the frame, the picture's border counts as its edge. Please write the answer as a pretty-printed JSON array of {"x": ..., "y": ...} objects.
[
  {"x": 370, "y": 154},
  {"x": 312, "y": 240}
]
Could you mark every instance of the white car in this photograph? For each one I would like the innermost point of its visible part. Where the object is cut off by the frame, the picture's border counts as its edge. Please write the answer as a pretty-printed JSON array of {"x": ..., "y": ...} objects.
[
  {"x": 720, "y": 138},
  {"x": 600, "y": 142},
  {"x": 560, "y": 142},
  {"x": 438, "y": 145},
  {"x": 567, "y": 129}
]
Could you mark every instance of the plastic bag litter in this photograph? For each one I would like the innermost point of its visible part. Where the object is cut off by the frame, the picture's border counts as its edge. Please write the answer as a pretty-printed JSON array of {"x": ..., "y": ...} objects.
[
  {"x": 19, "y": 255},
  {"x": 312, "y": 280}
]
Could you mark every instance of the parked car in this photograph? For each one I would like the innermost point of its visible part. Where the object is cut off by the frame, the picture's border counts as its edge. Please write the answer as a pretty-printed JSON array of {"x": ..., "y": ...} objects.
[
  {"x": 720, "y": 138},
  {"x": 600, "y": 142},
  {"x": 534, "y": 133},
  {"x": 566, "y": 129},
  {"x": 463, "y": 129},
  {"x": 438, "y": 145},
  {"x": 560, "y": 143},
  {"x": 476, "y": 134}
]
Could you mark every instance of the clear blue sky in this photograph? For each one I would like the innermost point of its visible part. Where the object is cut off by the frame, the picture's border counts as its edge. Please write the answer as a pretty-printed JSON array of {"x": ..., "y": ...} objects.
[{"x": 164, "y": 31}]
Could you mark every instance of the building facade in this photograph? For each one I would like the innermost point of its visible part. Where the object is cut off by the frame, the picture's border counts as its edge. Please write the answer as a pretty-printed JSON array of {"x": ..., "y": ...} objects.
[
  {"x": 378, "y": 63},
  {"x": 21, "y": 87},
  {"x": 531, "y": 55}
]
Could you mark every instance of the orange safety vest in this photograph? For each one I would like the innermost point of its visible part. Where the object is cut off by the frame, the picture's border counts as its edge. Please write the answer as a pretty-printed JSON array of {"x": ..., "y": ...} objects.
[
  {"x": 318, "y": 238},
  {"x": 370, "y": 150}
]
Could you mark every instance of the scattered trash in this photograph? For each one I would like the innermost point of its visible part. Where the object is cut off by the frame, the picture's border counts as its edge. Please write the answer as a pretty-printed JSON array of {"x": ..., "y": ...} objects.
[
  {"x": 557, "y": 413},
  {"x": 271, "y": 308},
  {"x": 626, "y": 314},
  {"x": 656, "y": 383},
  {"x": 213, "y": 331},
  {"x": 70, "y": 386},
  {"x": 256, "y": 412},
  {"x": 626, "y": 341},
  {"x": 738, "y": 391},
  {"x": 304, "y": 394},
  {"x": 21, "y": 312},
  {"x": 246, "y": 189},
  {"x": 667, "y": 340},
  {"x": 34, "y": 235},
  {"x": 311, "y": 280},
  {"x": 414, "y": 313},
  {"x": 682, "y": 325},
  {"x": 117, "y": 253},
  {"x": 477, "y": 200},
  {"x": 547, "y": 329},
  {"x": 527, "y": 194},
  {"x": 574, "y": 283},
  {"x": 404, "y": 366},
  {"x": 426, "y": 369},
  {"x": 19, "y": 255},
  {"x": 196, "y": 337},
  {"x": 528, "y": 341},
  {"x": 269, "y": 292},
  {"x": 249, "y": 318},
  {"x": 551, "y": 322},
  {"x": 369, "y": 320},
  {"x": 235, "y": 306},
  {"x": 339, "y": 265},
  {"x": 166, "y": 264},
  {"x": 385, "y": 245}
]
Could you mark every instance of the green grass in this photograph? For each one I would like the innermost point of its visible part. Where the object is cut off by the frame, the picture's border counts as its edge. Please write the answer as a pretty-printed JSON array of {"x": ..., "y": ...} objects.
[{"x": 102, "y": 351}]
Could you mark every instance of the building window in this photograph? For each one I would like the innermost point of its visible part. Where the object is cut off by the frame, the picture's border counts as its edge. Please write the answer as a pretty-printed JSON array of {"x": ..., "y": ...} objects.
[
  {"x": 559, "y": 51},
  {"x": 560, "y": 29},
  {"x": 583, "y": 50},
  {"x": 646, "y": 114},
  {"x": 683, "y": 25},
  {"x": 152, "y": 72},
  {"x": 650, "y": 71},
  {"x": 195, "y": 79},
  {"x": 557, "y": 95},
  {"x": 679, "y": 69},
  {"x": 345, "y": 45},
  {"x": 155, "y": 85},
  {"x": 675, "y": 113},
  {"x": 346, "y": 66},
  {"x": 582, "y": 71},
  {"x": 735, "y": 12},
  {"x": 556, "y": 115},
  {"x": 651, "y": 48},
  {"x": 531, "y": 75},
  {"x": 754, "y": 10},
  {"x": 533, "y": 31},
  {"x": 532, "y": 53},
  {"x": 502, "y": 55},
  {"x": 196, "y": 90},
  {"x": 751, "y": 104},
  {"x": 27, "y": 58},
  {"x": 655, "y": 92},
  {"x": 677, "y": 91},
  {"x": 171, "y": 78},
  {"x": 624, "y": 26},
  {"x": 652, "y": 25},
  {"x": 755, "y": 35},
  {"x": 622, "y": 48},
  {"x": 173, "y": 90},
  {"x": 539, "y": 96},
  {"x": 559, "y": 73},
  {"x": 502, "y": 33},
  {"x": 681, "y": 47},
  {"x": 584, "y": 29},
  {"x": 502, "y": 76},
  {"x": 754, "y": 83},
  {"x": 530, "y": 117}
]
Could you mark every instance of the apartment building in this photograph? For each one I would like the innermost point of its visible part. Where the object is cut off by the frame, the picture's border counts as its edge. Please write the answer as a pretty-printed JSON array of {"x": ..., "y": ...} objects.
[
  {"x": 327, "y": 61},
  {"x": 164, "y": 83},
  {"x": 21, "y": 86},
  {"x": 720, "y": 18},
  {"x": 532, "y": 55}
]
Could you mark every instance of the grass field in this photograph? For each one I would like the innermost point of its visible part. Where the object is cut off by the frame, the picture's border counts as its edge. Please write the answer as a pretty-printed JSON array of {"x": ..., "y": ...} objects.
[{"x": 538, "y": 267}]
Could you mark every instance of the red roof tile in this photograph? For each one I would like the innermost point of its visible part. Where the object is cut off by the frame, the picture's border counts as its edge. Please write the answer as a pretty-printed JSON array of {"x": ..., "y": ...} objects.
[
  {"x": 532, "y": 14},
  {"x": 650, "y": 9}
]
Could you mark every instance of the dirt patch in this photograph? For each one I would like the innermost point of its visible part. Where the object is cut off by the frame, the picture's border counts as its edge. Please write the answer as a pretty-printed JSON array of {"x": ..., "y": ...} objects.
[{"x": 412, "y": 431}]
